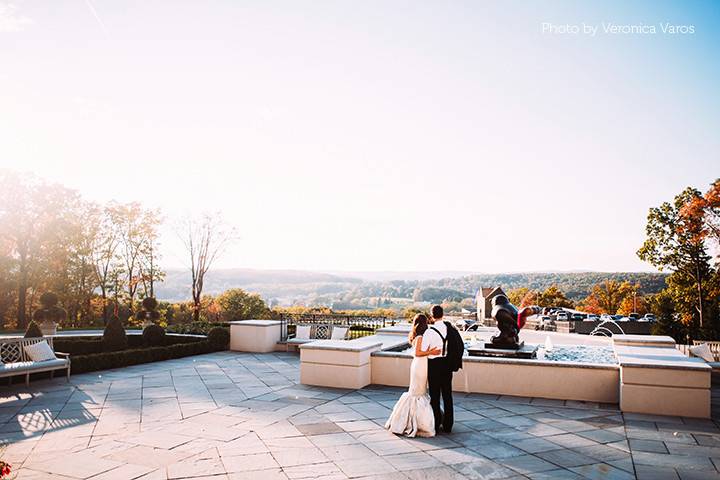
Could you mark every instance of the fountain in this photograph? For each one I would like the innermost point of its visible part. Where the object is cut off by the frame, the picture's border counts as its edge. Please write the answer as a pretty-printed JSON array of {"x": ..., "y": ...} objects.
[{"x": 602, "y": 330}]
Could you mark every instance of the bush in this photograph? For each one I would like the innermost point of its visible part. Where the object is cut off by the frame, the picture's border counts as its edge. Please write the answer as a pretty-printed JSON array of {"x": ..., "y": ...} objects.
[
  {"x": 33, "y": 330},
  {"x": 219, "y": 338},
  {"x": 124, "y": 358},
  {"x": 148, "y": 312},
  {"x": 195, "y": 328},
  {"x": 88, "y": 345},
  {"x": 78, "y": 345},
  {"x": 114, "y": 337},
  {"x": 154, "y": 335}
]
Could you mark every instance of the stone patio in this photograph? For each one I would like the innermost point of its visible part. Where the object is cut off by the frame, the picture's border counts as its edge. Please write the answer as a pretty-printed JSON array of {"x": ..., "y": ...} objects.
[{"x": 240, "y": 416}]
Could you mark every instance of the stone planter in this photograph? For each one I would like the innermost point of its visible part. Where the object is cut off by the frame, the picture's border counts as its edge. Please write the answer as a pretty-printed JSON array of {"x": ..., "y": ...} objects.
[{"x": 48, "y": 328}]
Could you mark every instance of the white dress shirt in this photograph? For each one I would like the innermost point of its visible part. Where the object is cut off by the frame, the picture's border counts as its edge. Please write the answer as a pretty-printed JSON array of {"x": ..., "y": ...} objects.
[{"x": 432, "y": 340}]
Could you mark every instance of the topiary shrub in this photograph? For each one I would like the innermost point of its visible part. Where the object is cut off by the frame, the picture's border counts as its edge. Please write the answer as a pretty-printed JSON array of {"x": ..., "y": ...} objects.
[
  {"x": 33, "y": 331},
  {"x": 154, "y": 335},
  {"x": 114, "y": 337},
  {"x": 219, "y": 338},
  {"x": 49, "y": 315},
  {"x": 148, "y": 314}
]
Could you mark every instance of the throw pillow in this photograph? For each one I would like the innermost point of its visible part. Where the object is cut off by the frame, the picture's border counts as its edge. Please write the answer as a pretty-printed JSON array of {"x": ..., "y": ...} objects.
[
  {"x": 40, "y": 352},
  {"x": 302, "y": 332},
  {"x": 702, "y": 351}
]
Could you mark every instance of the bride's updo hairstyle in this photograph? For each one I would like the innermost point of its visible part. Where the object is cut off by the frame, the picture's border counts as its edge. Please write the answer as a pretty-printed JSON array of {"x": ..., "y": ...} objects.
[{"x": 420, "y": 324}]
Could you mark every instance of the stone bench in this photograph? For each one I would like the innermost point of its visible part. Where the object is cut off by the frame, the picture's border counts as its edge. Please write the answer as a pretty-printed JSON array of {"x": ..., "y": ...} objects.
[
  {"x": 656, "y": 378},
  {"x": 15, "y": 361}
]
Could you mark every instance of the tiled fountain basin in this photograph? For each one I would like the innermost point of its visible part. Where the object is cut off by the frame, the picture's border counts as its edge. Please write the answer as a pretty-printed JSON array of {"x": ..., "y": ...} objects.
[
  {"x": 506, "y": 376},
  {"x": 651, "y": 376}
]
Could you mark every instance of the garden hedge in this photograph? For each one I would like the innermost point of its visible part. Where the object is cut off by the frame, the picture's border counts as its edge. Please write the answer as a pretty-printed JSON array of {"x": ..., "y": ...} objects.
[
  {"x": 219, "y": 338},
  {"x": 136, "y": 356},
  {"x": 195, "y": 328},
  {"x": 90, "y": 345}
]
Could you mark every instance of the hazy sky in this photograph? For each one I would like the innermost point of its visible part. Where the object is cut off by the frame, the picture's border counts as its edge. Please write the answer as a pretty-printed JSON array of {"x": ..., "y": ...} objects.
[{"x": 371, "y": 135}]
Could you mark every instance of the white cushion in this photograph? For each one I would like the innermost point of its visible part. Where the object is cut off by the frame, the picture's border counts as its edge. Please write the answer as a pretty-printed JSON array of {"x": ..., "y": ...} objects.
[
  {"x": 702, "y": 351},
  {"x": 20, "y": 367},
  {"x": 338, "y": 333},
  {"x": 302, "y": 332},
  {"x": 40, "y": 352}
]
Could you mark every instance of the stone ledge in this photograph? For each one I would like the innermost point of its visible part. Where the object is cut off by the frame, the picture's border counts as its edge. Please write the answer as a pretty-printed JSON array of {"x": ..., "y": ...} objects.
[
  {"x": 340, "y": 345},
  {"x": 664, "y": 377},
  {"x": 658, "y": 357},
  {"x": 657, "y": 400},
  {"x": 644, "y": 340},
  {"x": 513, "y": 361},
  {"x": 256, "y": 323},
  {"x": 337, "y": 376}
]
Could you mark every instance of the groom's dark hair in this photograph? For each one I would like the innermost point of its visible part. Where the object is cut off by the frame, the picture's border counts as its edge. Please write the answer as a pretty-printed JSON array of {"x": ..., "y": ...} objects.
[{"x": 437, "y": 312}]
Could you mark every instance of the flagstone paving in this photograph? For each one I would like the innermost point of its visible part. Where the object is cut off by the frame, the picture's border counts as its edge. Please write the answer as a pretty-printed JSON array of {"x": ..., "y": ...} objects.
[{"x": 230, "y": 416}]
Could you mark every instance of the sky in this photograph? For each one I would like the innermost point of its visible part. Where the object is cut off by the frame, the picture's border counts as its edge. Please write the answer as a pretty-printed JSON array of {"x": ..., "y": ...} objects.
[{"x": 372, "y": 135}]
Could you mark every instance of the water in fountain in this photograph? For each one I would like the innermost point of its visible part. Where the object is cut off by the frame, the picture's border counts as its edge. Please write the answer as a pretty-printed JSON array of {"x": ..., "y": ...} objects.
[
  {"x": 548, "y": 344},
  {"x": 602, "y": 330}
]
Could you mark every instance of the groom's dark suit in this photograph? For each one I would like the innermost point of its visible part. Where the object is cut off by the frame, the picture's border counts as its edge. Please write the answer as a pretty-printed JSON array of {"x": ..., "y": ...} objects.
[{"x": 439, "y": 377}]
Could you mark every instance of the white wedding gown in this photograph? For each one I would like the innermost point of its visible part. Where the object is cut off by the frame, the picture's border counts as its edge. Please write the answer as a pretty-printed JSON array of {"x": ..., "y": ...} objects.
[{"x": 412, "y": 414}]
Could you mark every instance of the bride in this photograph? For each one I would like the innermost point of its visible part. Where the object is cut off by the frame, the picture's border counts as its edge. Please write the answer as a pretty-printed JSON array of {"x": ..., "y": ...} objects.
[{"x": 412, "y": 414}]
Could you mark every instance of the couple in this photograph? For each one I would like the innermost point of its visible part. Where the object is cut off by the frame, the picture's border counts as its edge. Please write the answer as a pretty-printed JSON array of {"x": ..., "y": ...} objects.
[{"x": 415, "y": 414}]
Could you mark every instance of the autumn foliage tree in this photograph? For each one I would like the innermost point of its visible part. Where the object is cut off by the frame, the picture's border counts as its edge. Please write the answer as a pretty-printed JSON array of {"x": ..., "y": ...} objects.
[
  {"x": 679, "y": 234},
  {"x": 52, "y": 239},
  {"x": 676, "y": 234},
  {"x": 608, "y": 297}
]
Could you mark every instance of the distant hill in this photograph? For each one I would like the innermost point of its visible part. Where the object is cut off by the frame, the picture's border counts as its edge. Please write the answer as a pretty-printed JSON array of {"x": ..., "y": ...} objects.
[
  {"x": 268, "y": 283},
  {"x": 364, "y": 289},
  {"x": 575, "y": 285}
]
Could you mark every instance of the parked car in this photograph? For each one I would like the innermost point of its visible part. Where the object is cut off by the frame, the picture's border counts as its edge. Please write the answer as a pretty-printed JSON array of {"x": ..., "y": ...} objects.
[
  {"x": 649, "y": 317},
  {"x": 578, "y": 316},
  {"x": 544, "y": 322},
  {"x": 605, "y": 317},
  {"x": 593, "y": 318},
  {"x": 634, "y": 316},
  {"x": 562, "y": 317}
]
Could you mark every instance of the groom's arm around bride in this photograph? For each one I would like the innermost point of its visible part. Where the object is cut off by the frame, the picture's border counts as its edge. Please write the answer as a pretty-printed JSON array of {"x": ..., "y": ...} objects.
[{"x": 439, "y": 370}]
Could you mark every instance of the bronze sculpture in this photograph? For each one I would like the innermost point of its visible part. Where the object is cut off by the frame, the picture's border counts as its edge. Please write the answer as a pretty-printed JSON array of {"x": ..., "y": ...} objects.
[{"x": 509, "y": 321}]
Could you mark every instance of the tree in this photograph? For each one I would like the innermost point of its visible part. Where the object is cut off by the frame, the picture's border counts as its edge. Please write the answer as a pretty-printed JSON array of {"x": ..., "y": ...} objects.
[
  {"x": 516, "y": 295},
  {"x": 7, "y": 282},
  {"x": 80, "y": 281},
  {"x": 138, "y": 233},
  {"x": 205, "y": 240},
  {"x": 608, "y": 297},
  {"x": 105, "y": 255},
  {"x": 706, "y": 210},
  {"x": 34, "y": 224},
  {"x": 149, "y": 270},
  {"x": 676, "y": 241},
  {"x": 662, "y": 305},
  {"x": 553, "y": 297},
  {"x": 237, "y": 304},
  {"x": 633, "y": 304}
]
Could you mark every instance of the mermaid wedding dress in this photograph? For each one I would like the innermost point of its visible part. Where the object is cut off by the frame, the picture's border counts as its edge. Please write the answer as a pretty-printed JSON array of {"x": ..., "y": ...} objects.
[{"x": 412, "y": 414}]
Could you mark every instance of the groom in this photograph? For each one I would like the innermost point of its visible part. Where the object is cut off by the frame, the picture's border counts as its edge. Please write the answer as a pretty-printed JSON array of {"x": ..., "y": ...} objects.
[{"x": 439, "y": 372}]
